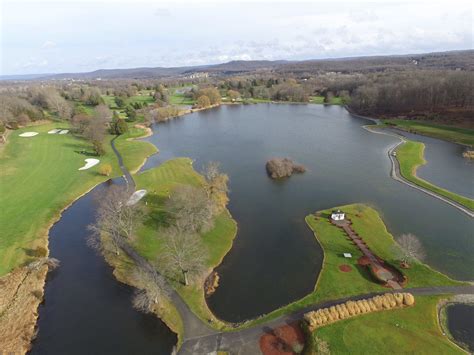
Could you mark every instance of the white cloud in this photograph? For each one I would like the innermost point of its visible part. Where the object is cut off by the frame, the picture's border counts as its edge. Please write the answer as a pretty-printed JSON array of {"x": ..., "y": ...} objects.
[
  {"x": 48, "y": 45},
  {"x": 166, "y": 33}
]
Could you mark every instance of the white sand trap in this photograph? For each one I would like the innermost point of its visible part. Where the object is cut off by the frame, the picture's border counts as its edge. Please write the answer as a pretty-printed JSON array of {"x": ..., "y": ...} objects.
[
  {"x": 64, "y": 131},
  {"x": 54, "y": 131},
  {"x": 89, "y": 163},
  {"x": 136, "y": 196},
  {"x": 28, "y": 134}
]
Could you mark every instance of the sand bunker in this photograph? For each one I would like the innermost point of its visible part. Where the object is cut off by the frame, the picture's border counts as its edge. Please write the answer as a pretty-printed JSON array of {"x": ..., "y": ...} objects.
[
  {"x": 136, "y": 196},
  {"x": 64, "y": 131},
  {"x": 54, "y": 131},
  {"x": 89, "y": 163},
  {"x": 28, "y": 134}
]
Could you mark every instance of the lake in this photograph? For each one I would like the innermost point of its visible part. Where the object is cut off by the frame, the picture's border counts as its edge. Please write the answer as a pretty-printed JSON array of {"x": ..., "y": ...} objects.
[{"x": 275, "y": 258}]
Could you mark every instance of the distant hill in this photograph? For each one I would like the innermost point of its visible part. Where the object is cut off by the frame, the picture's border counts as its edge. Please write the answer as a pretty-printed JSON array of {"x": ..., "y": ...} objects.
[{"x": 463, "y": 60}]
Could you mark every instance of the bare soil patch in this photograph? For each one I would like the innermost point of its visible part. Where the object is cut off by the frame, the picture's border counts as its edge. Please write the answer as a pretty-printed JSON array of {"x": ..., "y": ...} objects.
[
  {"x": 288, "y": 339},
  {"x": 345, "y": 268}
]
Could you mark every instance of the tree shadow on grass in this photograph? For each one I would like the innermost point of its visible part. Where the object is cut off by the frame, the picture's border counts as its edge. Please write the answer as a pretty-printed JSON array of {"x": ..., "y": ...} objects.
[
  {"x": 364, "y": 272},
  {"x": 157, "y": 217}
]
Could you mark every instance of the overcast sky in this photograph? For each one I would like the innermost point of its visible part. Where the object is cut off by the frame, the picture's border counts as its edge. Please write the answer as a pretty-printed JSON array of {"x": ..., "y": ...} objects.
[{"x": 84, "y": 35}]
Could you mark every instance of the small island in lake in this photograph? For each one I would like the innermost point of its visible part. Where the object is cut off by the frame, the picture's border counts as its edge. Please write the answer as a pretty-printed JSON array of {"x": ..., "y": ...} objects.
[{"x": 278, "y": 168}]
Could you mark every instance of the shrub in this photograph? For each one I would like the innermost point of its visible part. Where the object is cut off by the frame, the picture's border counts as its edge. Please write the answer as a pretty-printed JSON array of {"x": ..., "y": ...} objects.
[
  {"x": 105, "y": 169},
  {"x": 387, "y": 301},
  {"x": 278, "y": 168}
]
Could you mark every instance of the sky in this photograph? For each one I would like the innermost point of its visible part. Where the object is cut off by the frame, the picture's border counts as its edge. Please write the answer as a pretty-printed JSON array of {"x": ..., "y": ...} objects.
[{"x": 85, "y": 35}]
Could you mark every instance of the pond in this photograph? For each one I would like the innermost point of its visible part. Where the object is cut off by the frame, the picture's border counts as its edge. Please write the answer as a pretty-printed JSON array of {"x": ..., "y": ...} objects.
[
  {"x": 86, "y": 310},
  {"x": 275, "y": 259},
  {"x": 461, "y": 323}
]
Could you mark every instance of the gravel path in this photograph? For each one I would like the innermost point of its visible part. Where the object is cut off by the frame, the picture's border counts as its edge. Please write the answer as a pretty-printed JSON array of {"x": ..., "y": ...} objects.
[{"x": 396, "y": 175}]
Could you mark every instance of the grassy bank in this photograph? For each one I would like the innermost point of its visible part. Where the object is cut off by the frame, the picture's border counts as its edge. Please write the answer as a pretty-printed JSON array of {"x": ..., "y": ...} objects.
[
  {"x": 159, "y": 182},
  {"x": 449, "y": 133},
  {"x": 39, "y": 177},
  {"x": 333, "y": 283},
  {"x": 320, "y": 100},
  {"x": 402, "y": 331},
  {"x": 410, "y": 157},
  {"x": 134, "y": 152}
]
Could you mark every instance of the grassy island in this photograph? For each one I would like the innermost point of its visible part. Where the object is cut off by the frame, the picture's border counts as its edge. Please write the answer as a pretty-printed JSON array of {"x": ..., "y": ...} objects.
[
  {"x": 334, "y": 283},
  {"x": 159, "y": 182},
  {"x": 410, "y": 157}
]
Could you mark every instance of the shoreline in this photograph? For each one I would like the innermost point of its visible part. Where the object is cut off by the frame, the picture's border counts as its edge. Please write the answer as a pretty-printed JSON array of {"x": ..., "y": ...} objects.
[
  {"x": 41, "y": 281},
  {"x": 396, "y": 174},
  {"x": 441, "y": 313},
  {"x": 43, "y": 241}
]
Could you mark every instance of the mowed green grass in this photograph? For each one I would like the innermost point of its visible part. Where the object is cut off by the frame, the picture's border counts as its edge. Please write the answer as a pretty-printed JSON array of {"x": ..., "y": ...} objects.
[
  {"x": 412, "y": 330},
  {"x": 134, "y": 152},
  {"x": 39, "y": 177},
  {"x": 180, "y": 99},
  {"x": 159, "y": 182},
  {"x": 450, "y": 133},
  {"x": 410, "y": 157},
  {"x": 320, "y": 100},
  {"x": 143, "y": 96},
  {"x": 333, "y": 283}
]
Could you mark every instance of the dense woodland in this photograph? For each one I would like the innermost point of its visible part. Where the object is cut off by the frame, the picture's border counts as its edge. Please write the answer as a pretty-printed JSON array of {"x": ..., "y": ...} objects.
[{"x": 409, "y": 91}]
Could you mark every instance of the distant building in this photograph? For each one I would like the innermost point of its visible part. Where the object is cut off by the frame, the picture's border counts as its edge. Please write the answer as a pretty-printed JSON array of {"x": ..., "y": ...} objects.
[
  {"x": 338, "y": 215},
  {"x": 198, "y": 75}
]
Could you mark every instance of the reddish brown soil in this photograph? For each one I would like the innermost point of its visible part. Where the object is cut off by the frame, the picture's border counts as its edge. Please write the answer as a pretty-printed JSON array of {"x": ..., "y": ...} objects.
[
  {"x": 282, "y": 340},
  {"x": 363, "y": 261},
  {"x": 345, "y": 268}
]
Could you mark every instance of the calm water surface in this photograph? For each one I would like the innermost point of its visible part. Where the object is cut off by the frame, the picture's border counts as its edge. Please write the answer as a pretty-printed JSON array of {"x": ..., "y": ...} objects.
[
  {"x": 445, "y": 166},
  {"x": 86, "y": 310},
  {"x": 461, "y": 323},
  {"x": 275, "y": 259}
]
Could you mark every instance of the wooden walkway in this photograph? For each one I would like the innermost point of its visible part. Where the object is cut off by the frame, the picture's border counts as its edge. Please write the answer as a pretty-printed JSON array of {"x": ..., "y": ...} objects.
[{"x": 382, "y": 271}]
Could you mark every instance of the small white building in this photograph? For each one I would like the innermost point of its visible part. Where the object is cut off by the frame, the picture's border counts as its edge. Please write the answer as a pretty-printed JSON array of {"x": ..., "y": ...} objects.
[{"x": 338, "y": 215}]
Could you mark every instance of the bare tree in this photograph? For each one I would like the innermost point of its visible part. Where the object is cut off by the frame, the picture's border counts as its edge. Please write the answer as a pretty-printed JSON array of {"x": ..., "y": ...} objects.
[
  {"x": 58, "y": 104},
  {"x": 411, "y": 249},
  {"x": 151, "y": 288},
  {"x": 183, "y": 255},
  {"x": 95, "y": 133},
  {"x": 191, "y": 209},
  {"x": 216, "y": 185},
  {"x": 115, "y": 219},
  {"x": 52, "y": 263},
  {"x": 103, "y": 114}
]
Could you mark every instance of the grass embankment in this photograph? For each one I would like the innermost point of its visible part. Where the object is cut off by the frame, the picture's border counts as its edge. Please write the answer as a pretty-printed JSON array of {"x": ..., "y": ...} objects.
[
  {"x": 134, "y": 155},
  {"x": 320, "y": 100},
  {"x": 39, "y": 177},
  {"x": 159, "y": 182},
  {"x": 449, "y": 133},
  {"x": 410, "y": 157},
  {"x": 412, "y": 330},
  {"x": 334, "y": 284}
]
